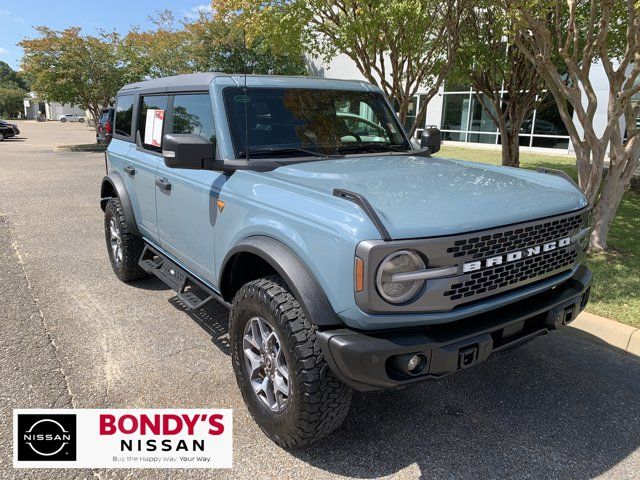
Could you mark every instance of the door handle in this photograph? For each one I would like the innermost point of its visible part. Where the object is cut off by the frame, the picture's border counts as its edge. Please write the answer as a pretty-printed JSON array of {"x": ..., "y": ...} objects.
[
  {"x": 163, "y": 183},
  {"x": 130, "y": 170}
]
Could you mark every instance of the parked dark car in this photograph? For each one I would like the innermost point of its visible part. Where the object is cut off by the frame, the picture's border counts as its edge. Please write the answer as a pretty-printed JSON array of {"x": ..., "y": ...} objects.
[
  {"x": 105, "y": 126},
  {"x": 8, "y": 130}
]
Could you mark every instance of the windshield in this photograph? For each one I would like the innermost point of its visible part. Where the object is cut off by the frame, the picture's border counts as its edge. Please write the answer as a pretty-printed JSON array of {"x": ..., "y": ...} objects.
[{"x": 294, "y": 122}]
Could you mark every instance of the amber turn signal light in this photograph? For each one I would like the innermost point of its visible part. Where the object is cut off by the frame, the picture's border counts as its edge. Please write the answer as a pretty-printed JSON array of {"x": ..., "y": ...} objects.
[{"x": 359, "y": 274}]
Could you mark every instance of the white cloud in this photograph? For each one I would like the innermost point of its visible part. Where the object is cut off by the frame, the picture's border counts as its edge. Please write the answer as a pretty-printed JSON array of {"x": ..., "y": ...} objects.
[
  {"x": 194, "y": 12},
  {"x": 19, "y": 20},
  {"x": 3, "y": 51},
  {"x": 4, "y": 12}
]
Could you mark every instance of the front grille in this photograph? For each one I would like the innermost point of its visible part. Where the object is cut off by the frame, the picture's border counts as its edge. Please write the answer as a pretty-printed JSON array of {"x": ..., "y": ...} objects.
[
  {"x": 493, "y": 278},
  {"x": 514, "y": 239},
  {"x": 512, "y": 273}
]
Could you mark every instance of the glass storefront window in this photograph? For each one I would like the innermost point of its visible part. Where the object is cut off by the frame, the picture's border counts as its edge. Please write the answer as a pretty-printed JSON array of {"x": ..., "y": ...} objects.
[
  {"x": 454, "y": 136},
  {"x": 480, "y": 119},
  {"x": 482, "y": 138},
  {"x": 524, "y": 140},
  {"x": 548, "y": 121},
  {"x": 550, "y": 142},
  {"x": 455, "y": 112},
  {"x": 465, "y": 120}
]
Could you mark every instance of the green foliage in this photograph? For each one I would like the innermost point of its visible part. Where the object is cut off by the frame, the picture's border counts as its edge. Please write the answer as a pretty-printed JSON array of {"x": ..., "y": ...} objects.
[
  {"x": 399, "y": 45},
  {"x": 10, "y": 100},
  {"x": 68, "y": 67},
  {"x": 215, "y": 44},
  {"x": 87, "y": 70},
  {"x": 11, "y": 78},
  {"x": 12, "y": 91}
]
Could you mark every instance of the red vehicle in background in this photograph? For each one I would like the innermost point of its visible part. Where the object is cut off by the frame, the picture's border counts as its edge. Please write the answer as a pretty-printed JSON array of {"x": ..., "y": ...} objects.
[{"x": 105, "y": 126}]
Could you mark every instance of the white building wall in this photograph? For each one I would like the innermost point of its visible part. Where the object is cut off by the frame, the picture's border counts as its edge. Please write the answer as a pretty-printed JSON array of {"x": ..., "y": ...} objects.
[
  {"x": 600, "y": 85},
  {"x": 434, "y": 110},
  {"x": 54, "y": 110}
]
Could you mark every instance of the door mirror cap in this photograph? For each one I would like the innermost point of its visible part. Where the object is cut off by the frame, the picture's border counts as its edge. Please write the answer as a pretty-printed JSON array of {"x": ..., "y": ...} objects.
[
  {"x": 431, "y": 139},
  {"x": 186, "y": 150}
]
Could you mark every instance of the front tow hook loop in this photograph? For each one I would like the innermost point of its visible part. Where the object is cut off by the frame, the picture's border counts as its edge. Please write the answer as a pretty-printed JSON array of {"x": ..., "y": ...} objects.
[{"x": 467, "y": 356}]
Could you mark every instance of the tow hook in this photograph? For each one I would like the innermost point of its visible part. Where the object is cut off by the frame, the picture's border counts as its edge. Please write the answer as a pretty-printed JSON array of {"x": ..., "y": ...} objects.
[{"x": 467, "y": 356}]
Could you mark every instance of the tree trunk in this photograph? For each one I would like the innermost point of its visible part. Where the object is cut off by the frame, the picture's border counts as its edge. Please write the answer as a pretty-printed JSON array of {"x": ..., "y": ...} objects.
[
  {"x": 95, "y": 113},
  {"x": 605, "y": 210},
  {"x": 510, "y": 148}
]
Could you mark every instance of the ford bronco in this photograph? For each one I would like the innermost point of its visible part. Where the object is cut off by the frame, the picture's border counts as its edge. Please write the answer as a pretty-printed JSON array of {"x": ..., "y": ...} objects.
[{"x": 347, "y": 257}]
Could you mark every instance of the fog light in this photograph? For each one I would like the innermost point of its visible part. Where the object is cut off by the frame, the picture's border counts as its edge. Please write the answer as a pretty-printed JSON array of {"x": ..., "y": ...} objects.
[
  {"x": 408, "y": 365},
  {"x": 414, "y": 363}
]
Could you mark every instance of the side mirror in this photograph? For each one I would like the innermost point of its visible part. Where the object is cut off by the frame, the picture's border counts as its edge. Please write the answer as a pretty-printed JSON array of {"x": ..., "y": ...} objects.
[
  {"x": 189, "y": 151},
  {"x": 431, "y": 139}
]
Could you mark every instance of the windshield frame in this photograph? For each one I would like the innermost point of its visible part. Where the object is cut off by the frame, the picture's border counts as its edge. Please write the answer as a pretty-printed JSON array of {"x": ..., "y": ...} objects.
[{"x": 406, "y": 144}]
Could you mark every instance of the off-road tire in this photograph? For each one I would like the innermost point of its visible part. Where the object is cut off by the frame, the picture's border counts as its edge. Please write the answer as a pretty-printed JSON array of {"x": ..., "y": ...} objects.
[
  {"x": 318, "y": 402},
  {"x": 132, "y": 245}
]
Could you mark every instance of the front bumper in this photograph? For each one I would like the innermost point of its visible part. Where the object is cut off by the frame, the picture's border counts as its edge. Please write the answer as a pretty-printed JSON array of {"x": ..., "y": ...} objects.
[{"x": 374, "y": 360}]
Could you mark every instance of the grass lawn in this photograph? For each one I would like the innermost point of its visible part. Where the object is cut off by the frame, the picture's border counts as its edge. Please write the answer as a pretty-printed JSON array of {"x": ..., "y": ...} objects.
[{"x": 616, "y": 287}]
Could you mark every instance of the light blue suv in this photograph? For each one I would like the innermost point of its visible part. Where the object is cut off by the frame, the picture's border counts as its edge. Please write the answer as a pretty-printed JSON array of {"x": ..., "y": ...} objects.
[{"x": 348, "y": 258}]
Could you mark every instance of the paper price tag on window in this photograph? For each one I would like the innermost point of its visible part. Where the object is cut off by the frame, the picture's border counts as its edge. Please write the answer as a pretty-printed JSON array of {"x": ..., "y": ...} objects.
[{"x": 153, "y": 127}]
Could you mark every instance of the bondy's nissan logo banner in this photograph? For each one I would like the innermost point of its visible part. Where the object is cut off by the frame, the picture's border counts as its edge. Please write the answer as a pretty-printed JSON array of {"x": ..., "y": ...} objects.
[{"x": 122, "y": 438}]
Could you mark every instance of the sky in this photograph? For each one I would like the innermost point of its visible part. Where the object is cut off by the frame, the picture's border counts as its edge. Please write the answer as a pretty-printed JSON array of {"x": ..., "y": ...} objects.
[{"x": 18, "y": 18}]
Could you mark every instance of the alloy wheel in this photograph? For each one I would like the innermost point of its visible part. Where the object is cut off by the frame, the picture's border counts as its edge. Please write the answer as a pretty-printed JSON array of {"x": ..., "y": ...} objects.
[
  {"x": 115, "y": 240},
  {"x": 266, "y": 364}
]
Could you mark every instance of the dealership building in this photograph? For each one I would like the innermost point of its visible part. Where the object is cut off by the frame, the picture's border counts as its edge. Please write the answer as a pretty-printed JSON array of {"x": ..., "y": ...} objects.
[{"x": 457, "y": 112}]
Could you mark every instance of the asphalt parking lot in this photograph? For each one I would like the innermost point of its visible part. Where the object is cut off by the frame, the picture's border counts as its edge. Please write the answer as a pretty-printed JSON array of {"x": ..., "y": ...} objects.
[{"x": 72, "y": 335}]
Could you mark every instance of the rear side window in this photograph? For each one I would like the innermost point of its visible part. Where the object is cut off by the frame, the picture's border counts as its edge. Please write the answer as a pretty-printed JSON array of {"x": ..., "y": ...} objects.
[
  {"x": 124, "y": 115},
  {"x": 192, "y": 114},
  {"x": 151, "y": 121}
]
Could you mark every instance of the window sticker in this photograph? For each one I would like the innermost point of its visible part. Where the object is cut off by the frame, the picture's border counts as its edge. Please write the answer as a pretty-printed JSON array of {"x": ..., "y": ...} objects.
[
  {"x": 153, "y": 127},
  {"x": 242, "y": 99}
]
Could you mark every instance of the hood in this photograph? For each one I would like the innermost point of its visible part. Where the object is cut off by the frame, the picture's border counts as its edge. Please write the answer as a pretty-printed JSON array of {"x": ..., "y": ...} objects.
[{"x": 427, "y": 196}]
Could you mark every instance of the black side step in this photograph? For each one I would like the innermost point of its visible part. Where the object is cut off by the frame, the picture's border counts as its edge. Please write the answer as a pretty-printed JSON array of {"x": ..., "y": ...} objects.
[{"x": 192, "y": 293}]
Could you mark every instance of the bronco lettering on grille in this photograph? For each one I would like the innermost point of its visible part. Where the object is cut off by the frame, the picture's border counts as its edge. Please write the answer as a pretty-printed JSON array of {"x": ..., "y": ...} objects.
[{"x": 515, "y": 255}]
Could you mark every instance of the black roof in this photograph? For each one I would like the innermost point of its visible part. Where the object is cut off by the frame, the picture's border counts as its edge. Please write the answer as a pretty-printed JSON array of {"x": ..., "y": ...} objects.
[
  {"x": 195, "y": 82},
  {"x": 186, "y": 82}
]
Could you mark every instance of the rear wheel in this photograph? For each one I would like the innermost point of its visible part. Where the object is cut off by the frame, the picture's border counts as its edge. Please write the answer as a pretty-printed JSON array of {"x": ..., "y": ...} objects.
[
  {"x": 123, "y": 246},
  {"x": 63, "y": 119},
  {"x": 286, "y": 383}
]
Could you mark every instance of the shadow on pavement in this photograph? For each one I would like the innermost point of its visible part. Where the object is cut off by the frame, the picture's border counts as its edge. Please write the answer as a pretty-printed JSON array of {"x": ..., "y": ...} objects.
[
  {"x": 559, "y": 407},
  {"x": 213, "y": 319}
]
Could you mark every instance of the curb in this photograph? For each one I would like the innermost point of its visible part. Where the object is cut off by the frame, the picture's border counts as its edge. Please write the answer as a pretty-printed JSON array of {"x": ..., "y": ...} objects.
[
  {"x": 80, "y": 148},
  {"x": 605, "y": 331}
]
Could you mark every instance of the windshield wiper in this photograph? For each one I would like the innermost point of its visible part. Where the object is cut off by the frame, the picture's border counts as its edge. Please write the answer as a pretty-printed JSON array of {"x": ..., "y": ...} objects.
[
  {"x": 277, "y": 150},
  {"x": 369, "y": 146}
]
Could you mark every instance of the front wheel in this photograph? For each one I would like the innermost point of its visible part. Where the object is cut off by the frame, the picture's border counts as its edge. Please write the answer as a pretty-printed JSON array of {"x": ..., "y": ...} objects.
[
  {"x": 285, "y": 381},
  {"x": 1, "y": 137},
  {"x": 123, "y": 246}
]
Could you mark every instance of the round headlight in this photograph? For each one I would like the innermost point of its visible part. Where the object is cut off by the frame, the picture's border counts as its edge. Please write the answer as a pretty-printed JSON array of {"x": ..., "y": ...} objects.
[{"x": 403, "y": 261}]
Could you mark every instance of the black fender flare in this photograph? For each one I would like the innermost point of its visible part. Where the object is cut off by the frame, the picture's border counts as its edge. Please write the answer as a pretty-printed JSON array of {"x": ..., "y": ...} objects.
[
  {"x": 294, "y": 272},
  {"x": 113, "y": 182}
]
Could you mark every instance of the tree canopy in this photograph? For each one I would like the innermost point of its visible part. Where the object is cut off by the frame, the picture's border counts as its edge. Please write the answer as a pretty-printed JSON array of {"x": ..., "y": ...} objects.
[
  {"x": 399, "y": 45},
  {"x": 581, "y": 33},
  {"x": 68, "y": 67}
]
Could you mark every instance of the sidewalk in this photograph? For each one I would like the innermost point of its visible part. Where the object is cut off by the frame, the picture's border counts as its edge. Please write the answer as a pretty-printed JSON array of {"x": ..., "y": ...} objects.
[{"x": 606, "y": 331}]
